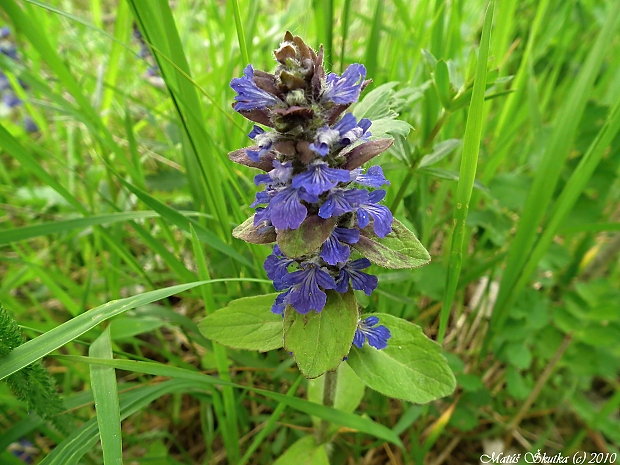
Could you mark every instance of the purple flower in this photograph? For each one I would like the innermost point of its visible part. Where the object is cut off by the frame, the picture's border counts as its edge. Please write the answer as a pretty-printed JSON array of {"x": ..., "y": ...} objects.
[
  {"x": 276, "y": 265},
  {"x": 286, "y": 209},
  {"x": 359, "y": 132},
  {"x": 343, "y": 133},
  {"x": 341, "y": 201},
  {"x": 346, "y": 88},
  {"x": 360, "y": 281},
  {"x": 307, "y": 287},
  {"x": 319, "y": 178},
  {"x": 374, "y": 177},
  {"x": 9, "y": 50},
  {"x": 381, "y": 214},
  {"x": 334, "y": 249},
  {"x": 250, "y": 96},
  {"x": 4, "y": 82},
  {"x": 263, "y": 139},
  {"x": 30, "y": 125},
  {"x": 262, "y": 197},
  {"x": 280, "y": 303},
  {"x": 367, "y": 330},
  {"x": 11, "y": 100},
  {"x": 280, "y": 174}
]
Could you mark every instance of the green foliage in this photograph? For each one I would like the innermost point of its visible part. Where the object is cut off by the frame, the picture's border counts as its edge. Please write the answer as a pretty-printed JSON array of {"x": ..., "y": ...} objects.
[
  {"x": 246, "y": 323},
  {"x": 410, "y": 368},
  {"x": 307, "y": 238},
  {"x": 319, "y": 341},
  {"x": 399, "y": 249},
  {"x": 304, "y": 452},
  {"x": 33, "y": 384},
  {"x": 349, "y": 391}
]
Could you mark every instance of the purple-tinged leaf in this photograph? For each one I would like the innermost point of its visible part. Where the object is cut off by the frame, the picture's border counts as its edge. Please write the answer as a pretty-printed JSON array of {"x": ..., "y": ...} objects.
[
  {"x": 366, "y": 151},
  {"x": 312, "y": 233},
  {"x": 260, "y": 116},
  {"x": 240, "y": 156},
  {"x": 247, "y": 232}
]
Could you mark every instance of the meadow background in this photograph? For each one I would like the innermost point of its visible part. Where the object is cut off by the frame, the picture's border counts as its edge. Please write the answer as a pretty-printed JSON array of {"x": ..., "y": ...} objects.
[{"x": 126, "y": 192}]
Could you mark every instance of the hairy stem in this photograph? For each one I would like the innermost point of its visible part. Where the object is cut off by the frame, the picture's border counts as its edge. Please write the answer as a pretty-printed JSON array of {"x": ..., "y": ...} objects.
[{"x": 329, "y": 394}]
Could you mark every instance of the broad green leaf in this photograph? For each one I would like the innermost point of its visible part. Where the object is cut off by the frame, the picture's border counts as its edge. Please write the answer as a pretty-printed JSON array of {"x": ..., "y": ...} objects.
[
  {"x": 399, "y": 249},
  {"x": 246, "y": 323},
  {"x": 304, "y": 452},
  {"x": 319, "y": 341},
  {"x": 349, "y": 390},
  {"x": 376, "y": 104},
  {"x": 312, "y": 233},
  {"x": 37, "y": 348},
  {"x": 411, "y": 367}
]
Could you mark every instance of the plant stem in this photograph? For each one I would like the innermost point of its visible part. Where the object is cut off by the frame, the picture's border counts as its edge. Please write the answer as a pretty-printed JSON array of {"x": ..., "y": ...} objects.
[{"x": 329, "y": 394}]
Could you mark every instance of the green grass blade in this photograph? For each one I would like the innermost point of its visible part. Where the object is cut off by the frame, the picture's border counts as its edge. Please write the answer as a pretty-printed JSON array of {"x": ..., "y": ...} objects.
[
  {"x": 467, "y": 174},
  {"x": 514, "y": 100},
  {"x": 28, "y": 232},
  {"x": 324, "y": 18},
  {"x": 159, "y": 29},
  {"x": 571, "y": 192},
  {"x": 122, "y": 26},
  {"x": 551, "y": 165},
  {"x": 350, "y": 420},
  {"x": 231, "y": 438},
  {"x": 72, "y": 449},
  {"x": 105, "y": 393},
  {"x": 240, "y": 34},
  {"x": 183, "y": 223},
  {"x": 37, "y": 348},
  {"x": 269, "y": 425},
  {"x": 346, "y": 9},
  {"x": 371, "y": 60}
]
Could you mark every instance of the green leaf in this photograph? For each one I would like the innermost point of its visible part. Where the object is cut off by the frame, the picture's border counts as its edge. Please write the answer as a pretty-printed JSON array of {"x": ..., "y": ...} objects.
[
  {"x": 201, "y": 381},
  {"x": 450, "y": 176},
  {"x": 442, "y": 83},
  {"x": 246, "y": 323},
  {"x": 440, "y": 151},
  {"x": 105, "y": 394},
  {"x": 248, "y": 232},
  {"x": 37, "y": 348},
  {"x": 399, "y": 249},
  {"x": 349, "y": 390},
  {"x": 411, "y": 367},
  {"x": 319, "y": 341},
  {"x": 312, "y": 233},
  {"x": 518, "y": 355},
  {"x": 304, "y": 452}
]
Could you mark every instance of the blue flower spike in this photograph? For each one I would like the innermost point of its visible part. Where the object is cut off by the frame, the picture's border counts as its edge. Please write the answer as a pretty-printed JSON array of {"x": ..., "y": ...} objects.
[
  {"x": 300, "y": 142},
  {"x": 367, "y": 330}
]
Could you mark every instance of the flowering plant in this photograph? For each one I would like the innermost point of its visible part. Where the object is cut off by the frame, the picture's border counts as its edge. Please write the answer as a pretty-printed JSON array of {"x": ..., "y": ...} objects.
[{"x": 322, "y": 211}]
